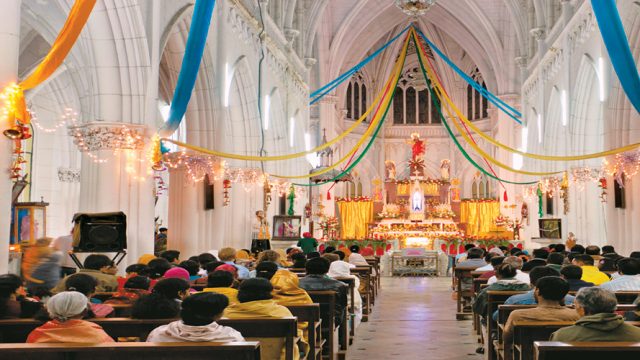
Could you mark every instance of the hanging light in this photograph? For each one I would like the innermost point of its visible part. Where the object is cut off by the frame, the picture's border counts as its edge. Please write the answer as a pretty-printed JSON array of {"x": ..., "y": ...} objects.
[{"x": 415, "y": 7}]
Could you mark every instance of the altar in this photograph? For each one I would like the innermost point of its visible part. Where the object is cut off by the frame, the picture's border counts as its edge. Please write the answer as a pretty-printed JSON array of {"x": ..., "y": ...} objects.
[{"x": 415, "y": 234}]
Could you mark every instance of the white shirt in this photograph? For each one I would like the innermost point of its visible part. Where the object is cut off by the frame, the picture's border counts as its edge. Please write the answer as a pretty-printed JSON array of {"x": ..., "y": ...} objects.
[
  {"x": 520, "y": 276},
  {"x": 64, "y": 244},
  {"x": 487, "y": 267},
  {"x": 623, "y": 283},
  {"x": 177, "y": 331}
]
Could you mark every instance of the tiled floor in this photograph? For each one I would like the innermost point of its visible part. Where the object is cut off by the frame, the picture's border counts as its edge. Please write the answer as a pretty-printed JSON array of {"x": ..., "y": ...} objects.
[{"x": 414, "y": 318}]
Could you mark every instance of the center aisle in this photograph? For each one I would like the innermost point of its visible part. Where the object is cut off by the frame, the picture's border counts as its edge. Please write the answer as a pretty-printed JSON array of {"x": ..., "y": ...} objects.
[{"x": 414, "y": 318}]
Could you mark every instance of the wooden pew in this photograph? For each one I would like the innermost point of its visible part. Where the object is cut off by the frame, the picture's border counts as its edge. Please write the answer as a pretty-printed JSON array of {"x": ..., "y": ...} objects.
[
  {"x": 505, "y": 310},
  {"x": 552, "y": 350},
  {"x": 311, "y": 315},
  {"x": 249, "y": 350},
  {"x": 16, "y": 331},
  {"x": 368, "y": 296},
  {"x": 267, "y": 328},
  {"x": 351, "y": 316},
  {"x": 327, "y": 302},
  {"x": 464, "y": 288},
  {"x": 525, "y": 333},
  {"x": 495, "y": 299},
  {"x": 627, "y": 297},
  {"x": 477, "y": 285}
]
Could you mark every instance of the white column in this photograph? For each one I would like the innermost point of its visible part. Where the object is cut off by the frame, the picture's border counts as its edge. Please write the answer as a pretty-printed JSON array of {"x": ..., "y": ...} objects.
[
  {"x": 183, "y": 214},
  {"x": 10, "y": 44},
  {"x": 108, "y": 187}
]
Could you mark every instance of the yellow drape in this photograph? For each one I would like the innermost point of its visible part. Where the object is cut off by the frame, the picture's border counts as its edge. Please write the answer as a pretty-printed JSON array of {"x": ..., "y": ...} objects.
[
  {"x": 479, "y": 216},
  {"x": 355, "y": 217},
  {"x": 59, "y": 50},
  {"x": 429, "y": 189}
]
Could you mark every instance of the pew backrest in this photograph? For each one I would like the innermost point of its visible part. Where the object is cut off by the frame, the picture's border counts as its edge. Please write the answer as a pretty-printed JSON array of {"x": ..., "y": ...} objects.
[
  {"x": 552, "y": 350},
  {"x": 136, "y": 350}
]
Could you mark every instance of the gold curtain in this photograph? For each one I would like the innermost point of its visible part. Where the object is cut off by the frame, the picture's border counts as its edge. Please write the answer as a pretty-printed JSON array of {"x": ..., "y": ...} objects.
[
  {"x": 429, "y": 189},
  {"x": 403, "y": 189},
  {"x": 355, "y": 217},
  {"x": 479, "y": 216}
]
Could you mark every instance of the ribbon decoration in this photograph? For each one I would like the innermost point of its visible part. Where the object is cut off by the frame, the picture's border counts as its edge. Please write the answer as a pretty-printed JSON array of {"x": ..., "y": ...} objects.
[
  {"x": 403, "y": 56},
  {"x": 499, "y": 103},
  {"x": 280, "y": 157},
  {"x": 78, "y": 16},
  {"x": 445, "y": 100},
  {"x": 615, "y": 40},
  {"x": 376, "y": 123},
  {"x": 194, "y": 49},
  {"x": 324, "y": 90},
  {"x": 453, "y": 137}
]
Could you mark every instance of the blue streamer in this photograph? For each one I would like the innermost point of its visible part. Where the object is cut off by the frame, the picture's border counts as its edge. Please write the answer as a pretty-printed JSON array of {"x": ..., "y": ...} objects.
[
  {"x": 202, "y": 12},
  {"x": 324, "y": 90},
  {"x": 506, "y": 108},
  {"x": 617, "y": 46}
]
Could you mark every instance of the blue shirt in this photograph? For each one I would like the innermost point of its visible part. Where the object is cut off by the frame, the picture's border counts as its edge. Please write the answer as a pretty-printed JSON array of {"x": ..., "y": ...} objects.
[
  {"x": 243, "y": 272},
  {"x": 528, "y": 299}
]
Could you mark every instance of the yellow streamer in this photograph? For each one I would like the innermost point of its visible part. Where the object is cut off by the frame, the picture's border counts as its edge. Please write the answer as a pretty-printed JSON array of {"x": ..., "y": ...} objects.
[
  {"x": 538, "y": 156},
  {"x": 444, "y": 98},
  {"x": 289, "y": 156},
  {"x": 379, "y": 116},
  {"x": 67, "y": 37}
]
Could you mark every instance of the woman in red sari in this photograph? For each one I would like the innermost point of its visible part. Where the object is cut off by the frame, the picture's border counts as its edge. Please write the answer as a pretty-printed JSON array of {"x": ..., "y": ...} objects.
[{"x": 67, "y": 309}]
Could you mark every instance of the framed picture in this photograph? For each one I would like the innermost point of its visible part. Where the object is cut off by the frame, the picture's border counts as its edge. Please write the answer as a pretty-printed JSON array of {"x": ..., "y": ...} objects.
[
  {"x": 287, "y": 227},
  {"x": 550, "y": 228}
]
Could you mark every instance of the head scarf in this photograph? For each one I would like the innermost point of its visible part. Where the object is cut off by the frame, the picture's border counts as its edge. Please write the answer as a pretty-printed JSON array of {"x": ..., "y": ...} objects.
[
  {"x": 144, "y": 259},
  {"x": 66, "y": 305},
  {"x": 286, "y": 289},
  {"x": 177, "y": 272}
]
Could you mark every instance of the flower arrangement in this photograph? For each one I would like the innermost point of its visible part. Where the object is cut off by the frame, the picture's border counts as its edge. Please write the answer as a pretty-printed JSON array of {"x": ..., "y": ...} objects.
[
  {"x": 329, "y": 226},
  {"x": 390, "y": 211},
  {"x": 442, "y": 211}
]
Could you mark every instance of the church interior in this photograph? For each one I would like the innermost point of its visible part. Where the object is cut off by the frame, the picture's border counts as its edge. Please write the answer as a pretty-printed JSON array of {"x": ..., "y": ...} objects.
[{"x": 319, "y": 179}]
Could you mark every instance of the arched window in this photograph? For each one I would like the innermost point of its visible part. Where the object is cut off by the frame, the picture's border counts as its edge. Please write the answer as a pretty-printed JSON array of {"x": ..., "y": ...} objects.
[
  {"x": 356, "y": 98},
  {"x": 412, "y": 101},
  {"x": 481, "y": 188},
  {"x": 476, "y": 103}
]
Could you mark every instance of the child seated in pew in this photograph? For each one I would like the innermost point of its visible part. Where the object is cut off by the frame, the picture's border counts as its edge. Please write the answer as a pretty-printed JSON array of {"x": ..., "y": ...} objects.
[
  {"x": 256, "y": 302},
  {"x": 66, "y": 310},
  {"x": 220, "y": 282},
  {"x": 192, "y": 268},
  {"x": 209, "y": 268},
  {"x": 550, "y": 293},
  {"x": 163, "y": 302},
  {"x": 198, "y": 322},
  {"x": 13, "y": 302},
  {"x": 133, "y": 289},
  {"x": 86, "y": 285},
  {"x": 132, "y": 271}
]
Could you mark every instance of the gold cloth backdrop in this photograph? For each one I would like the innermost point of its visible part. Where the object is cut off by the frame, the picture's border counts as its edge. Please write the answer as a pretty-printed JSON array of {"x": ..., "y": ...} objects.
[
  {"x": 355, "y": 217},
  {"x": 429, "y": 189},
  {"x": 479, "y": 215}
]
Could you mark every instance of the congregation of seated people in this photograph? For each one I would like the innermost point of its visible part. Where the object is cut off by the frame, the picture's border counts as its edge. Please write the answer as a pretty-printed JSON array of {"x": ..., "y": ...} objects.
[
  {"x": 579, "y": 287},
  {"x": 192, "y": 295}
]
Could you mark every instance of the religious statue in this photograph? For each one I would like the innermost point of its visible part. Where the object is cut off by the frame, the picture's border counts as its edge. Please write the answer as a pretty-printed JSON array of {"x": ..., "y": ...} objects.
[
  {"x": 263, "y": 232},
  {"x": 418, "y": 148},
  {"x": 417, "y": 202},
  {"x": 571, "y": 241},
  {"x": 445, "y": 165},
  {"x": 390, "y": 168}
]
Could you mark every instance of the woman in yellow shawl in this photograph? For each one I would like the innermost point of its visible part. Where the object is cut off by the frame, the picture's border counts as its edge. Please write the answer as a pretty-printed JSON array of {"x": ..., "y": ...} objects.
[
  {"x": 287, "y": 291},
  {"x": 256, "y": 302}
]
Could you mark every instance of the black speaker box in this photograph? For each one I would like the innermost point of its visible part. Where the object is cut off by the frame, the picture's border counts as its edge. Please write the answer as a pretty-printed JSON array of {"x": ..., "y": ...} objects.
[{"x": 103, "y": 232}]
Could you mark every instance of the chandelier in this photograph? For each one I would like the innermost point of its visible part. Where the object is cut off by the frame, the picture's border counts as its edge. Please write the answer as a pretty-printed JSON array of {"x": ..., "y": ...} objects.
[{"x": 414, "y": 7}]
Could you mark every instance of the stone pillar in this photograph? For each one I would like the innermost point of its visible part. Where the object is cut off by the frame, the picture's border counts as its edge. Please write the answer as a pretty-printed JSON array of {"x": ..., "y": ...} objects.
[
  {"x": 118, "y": 180},
  {"x": 10, "y": 45}
]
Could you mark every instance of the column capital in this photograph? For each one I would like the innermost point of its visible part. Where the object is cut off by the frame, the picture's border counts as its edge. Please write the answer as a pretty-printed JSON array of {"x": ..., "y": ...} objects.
[
  {"x": 97, "y": 136},
  {"x": 537, "y": 33}
]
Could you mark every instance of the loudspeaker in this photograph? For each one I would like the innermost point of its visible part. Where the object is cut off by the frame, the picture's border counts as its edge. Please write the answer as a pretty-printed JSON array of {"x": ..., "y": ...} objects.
[{"x": 104, "y": 232}]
